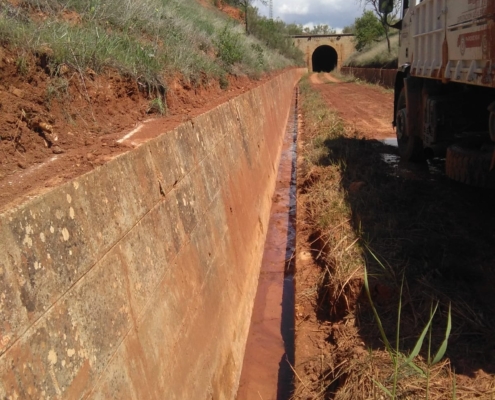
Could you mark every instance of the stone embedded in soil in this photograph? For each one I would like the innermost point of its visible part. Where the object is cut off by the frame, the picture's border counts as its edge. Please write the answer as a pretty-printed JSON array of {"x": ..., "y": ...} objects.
[
  {"x": 45, "y": 127},
  {"x": 57, "y": 150},
  {"x": 64, "y": 69},
  {"x": 16, "y": 92}
]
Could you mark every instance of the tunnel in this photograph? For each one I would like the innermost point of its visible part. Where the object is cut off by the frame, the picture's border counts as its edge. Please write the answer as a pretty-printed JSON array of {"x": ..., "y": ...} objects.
[{"x": 324, "y": 59}]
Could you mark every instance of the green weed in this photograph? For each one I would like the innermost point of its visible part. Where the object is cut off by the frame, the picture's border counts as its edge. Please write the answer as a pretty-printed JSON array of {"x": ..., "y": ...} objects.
[
  {"x": 229, "y": 48},
  {"x": 58, "y": 88},
  {"x": 22, "y": 65},
  {"x": 157, "y": 106}
]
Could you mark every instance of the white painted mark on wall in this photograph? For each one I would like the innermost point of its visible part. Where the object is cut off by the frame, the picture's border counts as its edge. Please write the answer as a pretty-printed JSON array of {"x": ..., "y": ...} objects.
[{"x": 131, "y": 133}]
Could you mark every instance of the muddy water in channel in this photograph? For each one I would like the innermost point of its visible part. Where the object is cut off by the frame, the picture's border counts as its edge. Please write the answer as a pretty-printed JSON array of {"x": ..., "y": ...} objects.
[{"x": 267, "y": 372}]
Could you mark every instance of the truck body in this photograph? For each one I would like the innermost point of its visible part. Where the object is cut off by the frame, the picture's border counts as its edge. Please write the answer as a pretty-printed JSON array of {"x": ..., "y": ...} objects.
[{"x": 445, "y": 85}]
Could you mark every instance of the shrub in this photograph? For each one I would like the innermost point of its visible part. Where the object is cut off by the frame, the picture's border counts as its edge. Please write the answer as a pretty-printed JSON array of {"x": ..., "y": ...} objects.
[{"x": 229, "y": 48}]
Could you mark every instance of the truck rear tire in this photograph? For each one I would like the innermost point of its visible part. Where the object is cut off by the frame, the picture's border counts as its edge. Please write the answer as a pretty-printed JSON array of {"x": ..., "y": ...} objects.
[
  {"x": 470, "y": 166},
  {"x": 410, "y": 145}
]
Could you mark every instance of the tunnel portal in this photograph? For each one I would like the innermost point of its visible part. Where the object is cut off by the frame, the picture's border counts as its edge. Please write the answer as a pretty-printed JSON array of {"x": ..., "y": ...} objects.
[{"x": 324, "y": 59}]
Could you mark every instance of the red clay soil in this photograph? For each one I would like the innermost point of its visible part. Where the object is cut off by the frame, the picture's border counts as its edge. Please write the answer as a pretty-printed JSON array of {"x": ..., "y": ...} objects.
[
  {"x": 232, "y": 12},
  {"x": 366, "y": 108},
  {"x": 53, "y": 129}
]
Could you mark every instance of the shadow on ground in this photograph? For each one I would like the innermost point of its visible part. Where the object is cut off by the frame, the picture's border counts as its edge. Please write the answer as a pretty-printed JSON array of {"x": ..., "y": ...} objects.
[{"x": 436, "y": 233}]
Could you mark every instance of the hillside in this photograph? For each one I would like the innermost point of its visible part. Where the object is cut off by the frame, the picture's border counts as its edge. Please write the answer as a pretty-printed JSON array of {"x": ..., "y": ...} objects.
[
  {"x": 376, "y": 55},
  {"x": 76, "y": 76}
]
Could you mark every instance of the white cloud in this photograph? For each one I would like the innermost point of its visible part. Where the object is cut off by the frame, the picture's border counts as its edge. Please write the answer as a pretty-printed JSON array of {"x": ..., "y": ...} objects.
[
  {"x": 293, "y": 9},
  {"x": 335, "y": 13}
]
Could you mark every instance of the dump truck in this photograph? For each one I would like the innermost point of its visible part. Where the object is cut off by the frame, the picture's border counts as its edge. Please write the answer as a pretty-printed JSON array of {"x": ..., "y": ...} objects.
[{"x": 444, "y": 103}]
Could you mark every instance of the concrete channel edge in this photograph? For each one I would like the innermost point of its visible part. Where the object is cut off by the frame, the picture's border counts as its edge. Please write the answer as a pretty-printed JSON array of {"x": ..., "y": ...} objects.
[{"x": 137, "y": 279}]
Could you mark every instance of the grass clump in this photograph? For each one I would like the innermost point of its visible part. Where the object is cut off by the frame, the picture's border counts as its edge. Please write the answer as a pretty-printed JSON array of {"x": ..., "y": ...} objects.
[
  {"x": 401, "y": 294},
  {"x": 157, "y": 106},
  {"x": 57, "y": 89}
]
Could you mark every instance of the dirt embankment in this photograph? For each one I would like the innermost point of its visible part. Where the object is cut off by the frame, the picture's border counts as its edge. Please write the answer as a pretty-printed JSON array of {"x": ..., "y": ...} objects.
[
  {"x": 425, "y": 242},
  {"x": 54, "y": 127}
]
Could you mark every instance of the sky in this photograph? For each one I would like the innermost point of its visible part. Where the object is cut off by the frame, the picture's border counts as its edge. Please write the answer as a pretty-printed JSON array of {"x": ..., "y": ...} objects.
[{"x": 335, "y": 13}]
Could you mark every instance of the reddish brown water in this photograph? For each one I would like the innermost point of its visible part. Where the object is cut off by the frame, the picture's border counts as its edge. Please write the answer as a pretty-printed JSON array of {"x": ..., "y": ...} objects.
[{"x": 267, "y": 372}]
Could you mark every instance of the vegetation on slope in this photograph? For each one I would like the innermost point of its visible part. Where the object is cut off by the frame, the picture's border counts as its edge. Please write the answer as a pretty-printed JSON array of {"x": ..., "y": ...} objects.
[
  {"x": 76, "y": 75},
  {"x": 148, "y": 40},
  {"x": 376, "y": 55},
  {"x": 376, "y": 47}
]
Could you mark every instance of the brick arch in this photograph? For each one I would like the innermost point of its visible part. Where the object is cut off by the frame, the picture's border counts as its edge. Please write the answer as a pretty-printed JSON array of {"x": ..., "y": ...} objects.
[{"x": 343, "y": 44}]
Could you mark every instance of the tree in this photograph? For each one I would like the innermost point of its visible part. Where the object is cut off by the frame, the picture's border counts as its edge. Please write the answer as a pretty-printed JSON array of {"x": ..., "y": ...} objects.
[
  {"x": 320, "y": 29},
  {"x": 349, "y": 29},
  {"x": 294, "y": 29},
  {"x": 368, "y": 29},
  {"x": 386, "y": 20},
  {"x": 245, "y": 5}
]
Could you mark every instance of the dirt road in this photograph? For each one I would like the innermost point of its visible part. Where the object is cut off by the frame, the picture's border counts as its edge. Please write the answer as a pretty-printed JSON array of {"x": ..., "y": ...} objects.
[
  {"x": 358, "y": 208},
  {"x": 365, "y": 108}
]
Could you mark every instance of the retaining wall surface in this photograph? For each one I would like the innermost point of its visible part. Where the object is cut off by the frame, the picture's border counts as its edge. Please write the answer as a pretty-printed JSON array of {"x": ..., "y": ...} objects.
[
  {"x": 137, "y": 279},
  {"x": 384, "y": 77}
]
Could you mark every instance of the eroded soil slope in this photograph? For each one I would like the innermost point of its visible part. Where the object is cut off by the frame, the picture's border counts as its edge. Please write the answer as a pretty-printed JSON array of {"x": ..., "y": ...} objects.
[{"x": 54, "y": 127}]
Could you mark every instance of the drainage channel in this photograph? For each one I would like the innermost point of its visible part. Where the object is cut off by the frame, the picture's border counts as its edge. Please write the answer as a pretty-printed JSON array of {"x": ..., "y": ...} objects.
[{"x": 267, "y": 369}]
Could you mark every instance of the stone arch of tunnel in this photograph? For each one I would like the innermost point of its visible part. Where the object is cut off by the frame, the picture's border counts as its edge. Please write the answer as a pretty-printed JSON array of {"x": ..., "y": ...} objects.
[
  {"x": 324, "y": 59},
  {"x": 342, "y": 44}
]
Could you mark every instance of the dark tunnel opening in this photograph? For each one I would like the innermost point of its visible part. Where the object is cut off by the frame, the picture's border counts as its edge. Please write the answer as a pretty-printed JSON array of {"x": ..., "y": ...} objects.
[{"x": 324, "y": 59}]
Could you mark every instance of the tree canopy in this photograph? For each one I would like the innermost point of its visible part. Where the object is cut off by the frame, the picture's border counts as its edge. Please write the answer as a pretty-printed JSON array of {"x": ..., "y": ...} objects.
[
  {"x": 386, "y": 20},
  {"x": 367, "y": 29}
]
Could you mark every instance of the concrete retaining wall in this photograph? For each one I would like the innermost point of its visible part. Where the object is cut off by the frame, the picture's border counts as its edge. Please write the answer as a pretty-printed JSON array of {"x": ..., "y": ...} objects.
[
  {"x": 383, "y": 77},
  {"x": 137, "y": 280}
]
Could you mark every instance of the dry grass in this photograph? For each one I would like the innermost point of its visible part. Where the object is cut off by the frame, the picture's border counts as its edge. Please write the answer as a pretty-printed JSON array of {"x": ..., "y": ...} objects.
[
  {"x": 375, "y": 55},
  {"x": 361, "y": 212}
]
